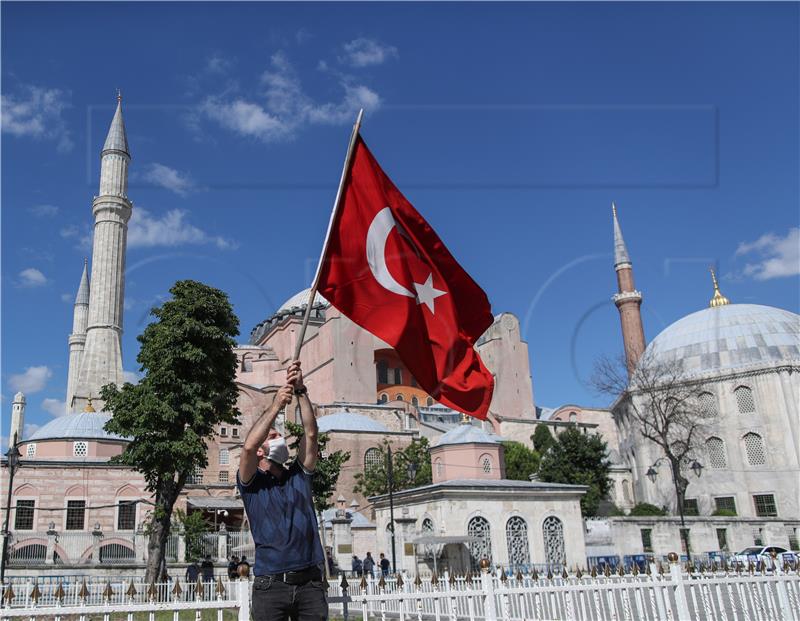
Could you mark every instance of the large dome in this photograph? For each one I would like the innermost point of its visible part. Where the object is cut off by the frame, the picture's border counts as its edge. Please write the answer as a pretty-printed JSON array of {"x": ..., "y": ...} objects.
[
  {"x": 300, "y": 300},
  {"x": 81, "y": 426},
  {"x": 734, "y": 336}
]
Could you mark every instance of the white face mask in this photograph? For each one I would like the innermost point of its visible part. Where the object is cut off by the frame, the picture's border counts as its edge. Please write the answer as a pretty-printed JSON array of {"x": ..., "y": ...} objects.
[{"x": 278, "y": 451}]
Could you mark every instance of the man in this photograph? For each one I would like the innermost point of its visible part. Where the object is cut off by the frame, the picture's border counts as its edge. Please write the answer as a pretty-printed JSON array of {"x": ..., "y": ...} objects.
[
  {"x": 232, "y": 565},
  {"x": 369, "y": 565},
  {"x": 207, "y": 567},
  {"x": 356, "y": 565},
  {"x": 192, "y": 573},
  {"x": 279, "y": 504},
  {"x": 384, "y": 565}
]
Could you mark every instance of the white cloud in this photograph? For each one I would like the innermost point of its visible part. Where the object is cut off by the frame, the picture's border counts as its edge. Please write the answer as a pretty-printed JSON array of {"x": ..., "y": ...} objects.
[
  {"x": 777, "y": 256},
  {"x": 363, "y": 52},
  {"x": 32, "y": 380},
  {"x": 285, "y": 106},
  {"x": 43, "y": 211},
  {"x": 36, "y": 112},
  {"x": 146, "y": 230},
  {"x": 168, "y": 178},
  {"x": 29, "y": 429},
  {"x": 54, "y": 407},
  {"x": 31, "y": 277},
  {"x": 218, "y": 64},
  {"x": 69, "y": 231},
  {"x": 67, "y": 298}
]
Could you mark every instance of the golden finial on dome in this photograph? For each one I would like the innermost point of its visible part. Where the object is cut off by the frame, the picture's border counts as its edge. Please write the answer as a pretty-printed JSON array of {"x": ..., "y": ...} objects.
[
  {"x": 119, "y": 95},
  {"x": 89, "y": 407},
  {"x": 718, "y": 299}
]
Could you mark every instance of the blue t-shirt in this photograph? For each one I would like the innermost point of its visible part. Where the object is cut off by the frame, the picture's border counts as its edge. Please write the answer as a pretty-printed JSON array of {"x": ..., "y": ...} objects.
[{"x": 282, "y": 520}]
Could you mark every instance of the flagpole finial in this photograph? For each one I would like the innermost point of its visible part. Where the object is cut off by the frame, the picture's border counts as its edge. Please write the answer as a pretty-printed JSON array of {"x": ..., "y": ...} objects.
[
  {"x": 119, "y": 95},
  {"x": 718, "y": 299}
]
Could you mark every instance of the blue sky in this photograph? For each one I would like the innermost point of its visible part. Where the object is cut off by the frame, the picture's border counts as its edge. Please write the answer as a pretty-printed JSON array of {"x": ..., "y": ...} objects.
[{"x": 510, "y": 127}]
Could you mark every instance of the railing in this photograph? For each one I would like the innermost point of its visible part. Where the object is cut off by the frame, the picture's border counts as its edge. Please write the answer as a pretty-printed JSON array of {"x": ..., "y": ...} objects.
[{"x": 240, "y": 542}]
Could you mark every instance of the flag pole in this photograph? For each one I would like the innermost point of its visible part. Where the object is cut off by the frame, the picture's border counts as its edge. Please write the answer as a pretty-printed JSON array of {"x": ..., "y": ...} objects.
[{"x": 313, "y": 291}]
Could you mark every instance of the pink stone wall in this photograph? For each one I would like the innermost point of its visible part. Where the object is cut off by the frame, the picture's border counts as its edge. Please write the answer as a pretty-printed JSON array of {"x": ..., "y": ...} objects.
[{"x": 465, "y": 461}]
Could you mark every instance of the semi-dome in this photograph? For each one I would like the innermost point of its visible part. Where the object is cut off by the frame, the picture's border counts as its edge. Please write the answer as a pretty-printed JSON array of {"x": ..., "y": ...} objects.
[
  {"x": 466, "y": 434},
  {"x": 300, "y": 300},
  {"x": 81, "y": 426},
  {"x": 347, "y": 421},
  {"x": 728, "y": 337}
]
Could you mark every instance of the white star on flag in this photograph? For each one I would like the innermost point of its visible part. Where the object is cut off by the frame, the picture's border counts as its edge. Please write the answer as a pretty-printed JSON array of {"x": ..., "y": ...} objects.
[{"x": 426, "y": 293}]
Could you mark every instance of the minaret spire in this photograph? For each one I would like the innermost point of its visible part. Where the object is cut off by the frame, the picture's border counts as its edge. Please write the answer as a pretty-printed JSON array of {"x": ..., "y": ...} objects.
[
  {"x": 77, "y": 340},
  {"x": 628, "y": 299},
  {"x": 718, "y": 299},
  {"x": 101, "y": 362}
]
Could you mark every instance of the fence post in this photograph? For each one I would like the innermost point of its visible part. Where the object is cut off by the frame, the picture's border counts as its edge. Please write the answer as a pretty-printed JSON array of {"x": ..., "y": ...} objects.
[
  {"x": 181, "y": 553},
  {"x": 51, "y": 544},
  {"x": 487, "y": 585},
  {"x": 676, "y": 577},
  {"x": 243, "y": 595},
  {"x": 222, "y": 542},
  {"x": 780, "y": 587}
]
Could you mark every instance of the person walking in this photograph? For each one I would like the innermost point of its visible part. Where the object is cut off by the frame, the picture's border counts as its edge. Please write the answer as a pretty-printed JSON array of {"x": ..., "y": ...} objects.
[
  {"x": 369, "y": 565},
  {"x": 356, "y": 565},
  {"x": 232, "y": 565},
  {"x": 192, "y": 573},
  {"x": 384, "y": 563},
  {"x": 279, "y": 503}
]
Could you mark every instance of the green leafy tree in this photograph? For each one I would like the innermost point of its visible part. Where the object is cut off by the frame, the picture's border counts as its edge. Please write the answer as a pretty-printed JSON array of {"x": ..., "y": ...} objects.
[
  {"x": 187, "y": 388},
  {"x": 194, "y": 526},
  {"x": 375, "y": 481},
  {"x": 645, "y": 508},
  {"x": 579, "y": 459},
  {"x": 542, "y": 439},
  {"x": 521, "y": 462}
]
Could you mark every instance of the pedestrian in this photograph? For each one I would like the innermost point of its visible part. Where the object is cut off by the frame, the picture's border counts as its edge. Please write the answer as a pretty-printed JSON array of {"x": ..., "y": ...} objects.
[
  {"x": 192, "y": 573},
  {"x": 356, "y": 565},
  {"x": 369, "y": 565},
  {"x": 207, "y": 569},
  {"x": 232, "y": 565},
  {"x": 278, "y": 499},
  {"x": 384, "y": 565},
  {"x": 243, "y": 568}
]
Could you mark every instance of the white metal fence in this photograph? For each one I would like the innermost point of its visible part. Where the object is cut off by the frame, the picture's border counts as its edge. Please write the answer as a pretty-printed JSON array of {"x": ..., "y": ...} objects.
[{"x": 660, "y": 594}]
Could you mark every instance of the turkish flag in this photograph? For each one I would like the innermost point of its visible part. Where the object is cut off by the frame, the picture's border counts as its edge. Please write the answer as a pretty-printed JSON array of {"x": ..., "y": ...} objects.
[{"x": 385, "y": 268}]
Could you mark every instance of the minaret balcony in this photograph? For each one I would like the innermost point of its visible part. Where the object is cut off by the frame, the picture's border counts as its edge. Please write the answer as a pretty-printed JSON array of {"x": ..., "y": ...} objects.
[{"x": 627, "y": 296}]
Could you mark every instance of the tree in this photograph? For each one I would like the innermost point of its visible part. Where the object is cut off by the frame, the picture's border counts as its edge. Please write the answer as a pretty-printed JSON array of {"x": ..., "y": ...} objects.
[
  {"x": 542, "y": 439},
  {"x": 374, "y": 482},
  {"x": 579, "y": 459},
  {"x": 669, "y": 409},
  {"x": 187, "y": 389},
  {"x": 645, "y": 509},
  {"x": 194, "y": 526},
  {"x": 521, "y": 462}
]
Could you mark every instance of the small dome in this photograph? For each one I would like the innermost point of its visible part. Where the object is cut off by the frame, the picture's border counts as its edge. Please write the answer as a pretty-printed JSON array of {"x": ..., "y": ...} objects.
[
  {"x": 465, "y": 434},
  {"x": 19, "y": 398},
  {"x": 729, "y": 337},
  {"x": 347, "y": 421},
  {"x": 82, "y": 426},
  {"x": 300, "y": 300}
]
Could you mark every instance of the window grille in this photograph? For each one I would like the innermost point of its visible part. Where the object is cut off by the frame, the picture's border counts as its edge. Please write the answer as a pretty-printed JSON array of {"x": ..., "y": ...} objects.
[
  {"x": 517, "y": 541},
  {"x": 792, "y": 534},
  {"x": 223, "y": 431},
  {"x": 722, "y": 539},
  {"x": 744, "y": 400},
  {"x": 553, "y": 532},
  {"x": 76, "y": 513},
  {"x": 223, "y": 476},
  {"x": 30, "y": 451},
  {"x": 647, "y": 539},
  {"x": 725, "y": 503},
  {"x": 428, "y": 531},
  {"x": 23, "y": 517},
  {"x": 765, "y": 505},
  {"x": 708, "y": 404},
  {"x": 235, "y": 432},
  {"x": 486, "y": 462},
  {"x": 372, "y": 459},
  {"x": 126, "y": 515},
  {"x": 224, "y": 457},
  {"x": 196, "y": 478},
  {"x": 429, "y": 401},
  {"x": 715, "y": 448},
  {"x": 754, "y": 446},
  {"x": 80, "y": 449},
  {"x": 398, "y": 376},
  {"x": 690, "y": 506},
  {"x": 399, "y": 397},
  {"x": 481, "y": 546}
]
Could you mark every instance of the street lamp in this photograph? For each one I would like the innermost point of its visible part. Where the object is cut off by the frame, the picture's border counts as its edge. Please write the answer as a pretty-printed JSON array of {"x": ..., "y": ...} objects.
[
  {"x": 12, "y": 456},
  {"x": 651, "y": 474},
  {"x": 390, "y": 481},
  {"x": 696, "y": 467},
  {"x": 411, "y": 468}
]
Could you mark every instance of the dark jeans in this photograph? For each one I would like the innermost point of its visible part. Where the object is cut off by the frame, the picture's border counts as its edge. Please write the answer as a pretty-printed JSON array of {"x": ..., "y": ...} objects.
[{"x": 274, "y": 600}]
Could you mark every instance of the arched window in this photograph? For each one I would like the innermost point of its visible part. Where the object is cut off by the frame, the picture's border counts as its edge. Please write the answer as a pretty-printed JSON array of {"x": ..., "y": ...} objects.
[
  {"x": 553, "y": 533},
  {"x": 626, "y": 491},
  {"x": 428, "y": 531},
  {"x": 481, "y": 546},
  {"x": 414, "y": 401},
  {"x": 708, "y": 404},
  {"x": 744, "y": 400},
  {"x": 399, "y": 397},
  {"x": 429, "y": 401},
  {"x": 754, "y": 447},
  {"x": 383, "y": 398},
  {"x": 517, "y": 541},
  {"x": 372, "y": 459},
  {"x": 247, "y": 364},
  {"x": 715, "y": 447},
  {"x": 383, "y": 372},
  {"x": 486, "y": 464},
  {"x": 398, "y": 376},
  {"x": 439, "y": 467}
]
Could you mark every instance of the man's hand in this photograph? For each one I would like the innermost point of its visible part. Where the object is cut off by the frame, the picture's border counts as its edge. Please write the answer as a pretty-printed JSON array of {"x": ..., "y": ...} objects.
[
  {"x": 284, "y": 396},
  {"x": 294, "y": 375}
]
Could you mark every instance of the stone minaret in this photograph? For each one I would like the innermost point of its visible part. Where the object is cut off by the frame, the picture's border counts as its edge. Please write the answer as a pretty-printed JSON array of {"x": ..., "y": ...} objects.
[
  {"x": 17, "y": 418},
  {"x": 77, "y": 340},
  {"x": 628, "y": 300},
  {"x": 101, "y": 362}
]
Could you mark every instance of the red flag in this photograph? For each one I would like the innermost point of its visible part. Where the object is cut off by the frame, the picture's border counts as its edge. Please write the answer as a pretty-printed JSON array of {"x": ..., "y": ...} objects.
[{"x": 387, "y": 270}]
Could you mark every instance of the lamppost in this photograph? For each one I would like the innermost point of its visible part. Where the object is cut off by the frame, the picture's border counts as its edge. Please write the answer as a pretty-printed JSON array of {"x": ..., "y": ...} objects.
[
  {"x": 695, "y": 467},
  {"x": 13, "y": 456},
  {"x": 390, "y": 480}
]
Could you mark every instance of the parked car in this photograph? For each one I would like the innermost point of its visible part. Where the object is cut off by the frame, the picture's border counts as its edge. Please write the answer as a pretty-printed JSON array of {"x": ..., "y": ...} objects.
[{"x": 754, "y": 554}]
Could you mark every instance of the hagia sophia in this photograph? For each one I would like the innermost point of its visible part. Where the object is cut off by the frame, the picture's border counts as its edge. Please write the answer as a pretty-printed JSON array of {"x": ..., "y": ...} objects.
[{"x": 746, "y": 355}]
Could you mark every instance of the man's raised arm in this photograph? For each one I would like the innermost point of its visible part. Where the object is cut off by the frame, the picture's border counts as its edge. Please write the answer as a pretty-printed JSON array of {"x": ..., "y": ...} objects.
[
  {"x": 308, "y": 451},
  {"x": 248, "y": 461}
]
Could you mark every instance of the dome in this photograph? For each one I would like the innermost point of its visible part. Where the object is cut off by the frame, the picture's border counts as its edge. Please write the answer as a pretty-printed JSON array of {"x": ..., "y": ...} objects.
[
  {"x": 82, "y": 426},
  {"x": 715, "y": 340},
  {"x": 347, "y": 421},
  {"x": 300, "y": 300},
  {"x": 465, "y": 434}
]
